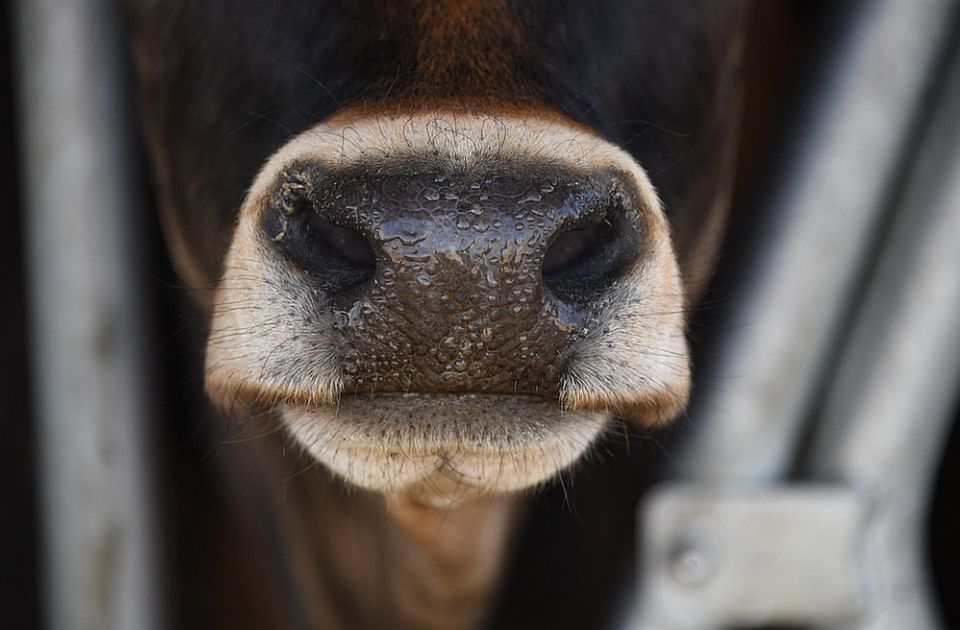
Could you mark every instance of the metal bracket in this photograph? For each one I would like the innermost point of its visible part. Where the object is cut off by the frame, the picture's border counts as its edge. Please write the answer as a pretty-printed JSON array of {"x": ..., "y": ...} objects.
[{"x": 719, "y": 557}]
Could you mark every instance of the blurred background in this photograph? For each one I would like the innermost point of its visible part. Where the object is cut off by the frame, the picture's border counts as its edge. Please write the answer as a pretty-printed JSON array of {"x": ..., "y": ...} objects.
[{"x": 825, "y": 419}]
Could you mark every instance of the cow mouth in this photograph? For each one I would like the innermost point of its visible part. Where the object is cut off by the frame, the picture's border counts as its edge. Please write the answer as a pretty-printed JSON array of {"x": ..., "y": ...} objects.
[{"x": 488, "y": 443}]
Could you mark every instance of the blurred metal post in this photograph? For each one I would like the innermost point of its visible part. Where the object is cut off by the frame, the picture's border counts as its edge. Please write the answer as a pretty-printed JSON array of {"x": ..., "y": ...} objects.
[
  {"x": 888, "y": 411},
  {"x": 784, "y": 320},
  {"x": 736, "y": 541},
  {"x": 99, "y": 537}
]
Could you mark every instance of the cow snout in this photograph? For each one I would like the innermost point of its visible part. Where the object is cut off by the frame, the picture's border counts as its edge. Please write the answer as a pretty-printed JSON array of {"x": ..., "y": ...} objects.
[
  {"x": 447, "y": 282},
  {"x": 450, "y": 296}
]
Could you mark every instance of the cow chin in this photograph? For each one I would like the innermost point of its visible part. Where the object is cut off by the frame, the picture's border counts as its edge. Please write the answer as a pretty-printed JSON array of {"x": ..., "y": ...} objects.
[
  {"x": 444, "y": 446},
  {"x": 450, "y": 303}
]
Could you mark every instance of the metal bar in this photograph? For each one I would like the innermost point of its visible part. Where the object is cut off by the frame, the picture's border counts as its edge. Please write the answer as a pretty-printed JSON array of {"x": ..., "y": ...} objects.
[
  {"x": 879, "y": 435},
  {"x": 889, "y": 409},
  {"x": 755, "y": 393},
  {"x": 98, "y": 542},
  {"x": 733, "y": 557}
]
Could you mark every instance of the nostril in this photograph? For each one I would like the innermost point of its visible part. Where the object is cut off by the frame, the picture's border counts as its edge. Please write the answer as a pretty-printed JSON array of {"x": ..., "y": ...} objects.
[
  {"x": 349, "y": 245},
  {"x": 338, "y": 257},
  {"x": 568, "y": 248},
  {"x": 581, "y": 263}
]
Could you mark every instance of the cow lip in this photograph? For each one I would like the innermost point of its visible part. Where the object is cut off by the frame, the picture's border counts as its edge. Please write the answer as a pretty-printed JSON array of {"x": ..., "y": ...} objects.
[
  {"x": 432, "y": 412},
  {"x": 309, "y": 403},
  {"x": 442, "y": 395},
  {"x": 491, "y": 442}
]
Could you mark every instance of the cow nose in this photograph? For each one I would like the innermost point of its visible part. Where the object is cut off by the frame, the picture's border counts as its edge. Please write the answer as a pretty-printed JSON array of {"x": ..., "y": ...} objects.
[{"x": 455, "y": 282}]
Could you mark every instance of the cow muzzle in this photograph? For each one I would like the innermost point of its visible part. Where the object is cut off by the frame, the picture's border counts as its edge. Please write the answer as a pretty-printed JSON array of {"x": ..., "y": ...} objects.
[{"x": 450, "y": 297}]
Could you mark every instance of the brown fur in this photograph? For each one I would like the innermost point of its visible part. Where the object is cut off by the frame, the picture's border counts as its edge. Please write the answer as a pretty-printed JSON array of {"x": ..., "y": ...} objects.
[
  {"x": 317, "y": 556},
  {"x": 466, "y": 43},
  {"x": 467, "y": 51}
]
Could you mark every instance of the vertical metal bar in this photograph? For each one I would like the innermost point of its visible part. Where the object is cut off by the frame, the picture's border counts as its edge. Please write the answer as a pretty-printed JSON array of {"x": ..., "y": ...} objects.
[
  {"x": 879, "y": 435},
  {"x": 784, "y": 319},
  {"x": 98, "y": 540},
  {"x": 888, "y": 412}
]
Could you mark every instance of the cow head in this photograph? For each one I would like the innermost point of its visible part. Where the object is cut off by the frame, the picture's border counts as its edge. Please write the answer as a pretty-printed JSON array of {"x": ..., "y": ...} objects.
[{"x": 448, "y": 241}]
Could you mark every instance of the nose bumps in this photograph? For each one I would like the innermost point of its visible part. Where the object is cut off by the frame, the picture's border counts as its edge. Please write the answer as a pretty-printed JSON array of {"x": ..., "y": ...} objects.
[{"x": 455, "y": 299}]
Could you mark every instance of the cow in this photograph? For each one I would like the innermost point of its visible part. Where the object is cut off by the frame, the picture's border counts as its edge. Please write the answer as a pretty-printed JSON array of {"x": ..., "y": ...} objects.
[{"x": 443, "y": 253}]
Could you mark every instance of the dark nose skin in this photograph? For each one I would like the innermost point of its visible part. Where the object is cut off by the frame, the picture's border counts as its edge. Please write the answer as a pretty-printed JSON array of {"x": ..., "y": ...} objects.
[{"x": 455, "y": 283}]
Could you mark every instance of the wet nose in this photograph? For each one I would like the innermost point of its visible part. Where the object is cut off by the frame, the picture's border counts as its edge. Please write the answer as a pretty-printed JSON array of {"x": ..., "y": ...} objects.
[{"x": 455, "y": 283}]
